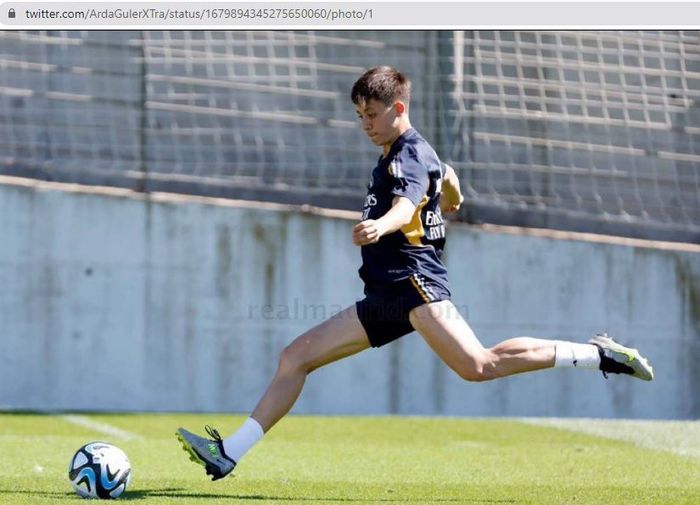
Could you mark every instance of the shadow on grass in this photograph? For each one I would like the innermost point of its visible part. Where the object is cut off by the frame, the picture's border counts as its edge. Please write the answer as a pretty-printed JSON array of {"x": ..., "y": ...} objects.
[{"x": 179, "y": 493}]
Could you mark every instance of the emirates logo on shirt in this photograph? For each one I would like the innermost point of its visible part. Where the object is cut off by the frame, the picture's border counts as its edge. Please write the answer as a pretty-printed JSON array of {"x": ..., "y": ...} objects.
[{"x": 435, "y": 225}]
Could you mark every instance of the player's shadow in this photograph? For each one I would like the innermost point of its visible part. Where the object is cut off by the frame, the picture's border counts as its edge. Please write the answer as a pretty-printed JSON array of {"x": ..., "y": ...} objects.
[{"x": 175, "y": 493}]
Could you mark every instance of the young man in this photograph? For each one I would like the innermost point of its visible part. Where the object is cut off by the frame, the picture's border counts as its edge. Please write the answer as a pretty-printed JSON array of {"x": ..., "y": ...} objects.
[{"x": 401, "y": 236}]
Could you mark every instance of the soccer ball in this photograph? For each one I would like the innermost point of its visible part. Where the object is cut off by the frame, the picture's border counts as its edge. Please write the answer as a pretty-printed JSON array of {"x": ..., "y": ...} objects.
[{"x": 99, "y": 470}]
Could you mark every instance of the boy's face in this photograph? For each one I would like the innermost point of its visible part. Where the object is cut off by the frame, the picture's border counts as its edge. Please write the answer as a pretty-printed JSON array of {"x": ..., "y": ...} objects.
[{"x": 379, "y": 122}]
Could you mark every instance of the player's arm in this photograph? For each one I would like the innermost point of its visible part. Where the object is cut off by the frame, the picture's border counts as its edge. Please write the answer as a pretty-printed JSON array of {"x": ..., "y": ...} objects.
[
  {"x": 451, "y": 198},
  {"x": 370, "y": 231}
]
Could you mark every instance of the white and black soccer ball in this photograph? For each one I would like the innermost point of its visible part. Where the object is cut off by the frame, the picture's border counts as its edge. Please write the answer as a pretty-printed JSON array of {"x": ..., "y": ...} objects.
[{"x": 99, "y": 470}]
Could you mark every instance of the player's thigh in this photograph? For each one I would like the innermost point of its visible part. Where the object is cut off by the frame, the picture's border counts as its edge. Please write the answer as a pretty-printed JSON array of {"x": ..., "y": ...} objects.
[
  {"x": 449, "y": 335},
  {"x": 338, "y": 337}
]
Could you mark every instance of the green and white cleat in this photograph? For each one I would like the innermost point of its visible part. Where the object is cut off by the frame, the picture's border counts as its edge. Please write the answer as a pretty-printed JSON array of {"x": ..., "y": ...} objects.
[
  {"x": 616, "y": 358},
  {"x": 208, "y": 453}
]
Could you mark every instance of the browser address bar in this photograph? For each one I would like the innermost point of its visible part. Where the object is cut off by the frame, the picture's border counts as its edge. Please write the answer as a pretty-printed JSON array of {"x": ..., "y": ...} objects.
[{"x": 351, "y": 15}]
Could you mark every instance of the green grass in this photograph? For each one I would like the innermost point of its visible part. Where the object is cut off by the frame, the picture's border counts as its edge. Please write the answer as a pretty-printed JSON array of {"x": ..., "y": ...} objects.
[{"x": 339, "y": 460}]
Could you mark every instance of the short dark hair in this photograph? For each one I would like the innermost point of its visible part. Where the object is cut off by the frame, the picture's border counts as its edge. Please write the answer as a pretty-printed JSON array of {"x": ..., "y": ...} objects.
[{"x": 382, "y": 83}]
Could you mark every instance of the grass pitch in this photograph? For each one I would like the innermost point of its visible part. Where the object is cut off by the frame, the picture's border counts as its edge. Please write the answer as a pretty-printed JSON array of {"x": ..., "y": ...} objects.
[{"x": 339, "y": 460}]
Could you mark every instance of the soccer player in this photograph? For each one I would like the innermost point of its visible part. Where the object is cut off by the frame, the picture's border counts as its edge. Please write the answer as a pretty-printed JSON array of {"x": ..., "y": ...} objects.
[{"x": 401, "y": 236}]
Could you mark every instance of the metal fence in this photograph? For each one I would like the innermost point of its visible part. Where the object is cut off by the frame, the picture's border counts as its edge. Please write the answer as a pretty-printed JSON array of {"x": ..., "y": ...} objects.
[{"x": 593, "y": 131}]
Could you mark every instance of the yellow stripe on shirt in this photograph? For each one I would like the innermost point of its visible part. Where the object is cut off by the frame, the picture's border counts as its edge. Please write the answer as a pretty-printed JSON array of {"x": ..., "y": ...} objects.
[{"x": 414, "y": 230}]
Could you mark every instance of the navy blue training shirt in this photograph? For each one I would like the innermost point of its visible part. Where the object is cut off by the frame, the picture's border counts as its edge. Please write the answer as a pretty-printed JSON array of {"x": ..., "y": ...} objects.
[{"x": 413, "y": 170}]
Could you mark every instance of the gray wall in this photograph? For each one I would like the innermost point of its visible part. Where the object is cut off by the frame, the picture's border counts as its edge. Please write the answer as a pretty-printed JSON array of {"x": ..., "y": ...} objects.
[{"x": 109, "y": 301}]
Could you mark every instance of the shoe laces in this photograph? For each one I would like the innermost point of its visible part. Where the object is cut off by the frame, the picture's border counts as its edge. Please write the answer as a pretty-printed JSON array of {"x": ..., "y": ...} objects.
[{"x": 213, "y": 433}]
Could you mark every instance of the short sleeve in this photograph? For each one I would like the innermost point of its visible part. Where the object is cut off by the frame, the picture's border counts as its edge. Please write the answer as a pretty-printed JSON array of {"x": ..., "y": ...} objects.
[{"x": 409, "y": 176}]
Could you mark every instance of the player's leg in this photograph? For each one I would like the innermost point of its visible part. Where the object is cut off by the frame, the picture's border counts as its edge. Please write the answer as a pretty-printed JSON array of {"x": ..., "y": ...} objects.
[
  {"x": 340, "y": 336},
  {"x": 449, "y": 335}
]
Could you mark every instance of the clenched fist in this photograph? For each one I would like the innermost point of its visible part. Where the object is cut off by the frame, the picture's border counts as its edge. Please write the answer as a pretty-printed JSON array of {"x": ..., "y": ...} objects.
[{"x": 367, "y": 232}]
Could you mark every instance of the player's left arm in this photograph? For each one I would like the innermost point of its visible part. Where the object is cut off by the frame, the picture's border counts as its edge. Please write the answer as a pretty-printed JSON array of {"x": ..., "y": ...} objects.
[
  {"x": 451, "y": 198},
  {"x": 370, "y": 231}
]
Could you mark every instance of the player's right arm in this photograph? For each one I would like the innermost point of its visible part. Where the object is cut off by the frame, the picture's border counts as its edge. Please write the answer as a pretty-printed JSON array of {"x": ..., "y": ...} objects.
[
  {"x": 370, "y": 231},
  {"x": 409, "y": 180},
  {"x": 451, "y": 198}
]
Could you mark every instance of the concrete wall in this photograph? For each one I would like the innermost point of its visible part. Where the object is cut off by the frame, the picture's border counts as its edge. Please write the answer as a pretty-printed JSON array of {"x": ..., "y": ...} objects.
[{"x": 109, "y": 301}]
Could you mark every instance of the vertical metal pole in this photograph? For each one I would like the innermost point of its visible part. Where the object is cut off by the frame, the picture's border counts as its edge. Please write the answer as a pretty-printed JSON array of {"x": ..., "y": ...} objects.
[{"x": 142, "y": 182}]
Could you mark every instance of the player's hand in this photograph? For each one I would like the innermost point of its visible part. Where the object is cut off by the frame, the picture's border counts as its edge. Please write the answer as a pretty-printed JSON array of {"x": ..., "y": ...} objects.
[
  {"x": 367, "y": 232},
  {"x": 447, "y": 207}
]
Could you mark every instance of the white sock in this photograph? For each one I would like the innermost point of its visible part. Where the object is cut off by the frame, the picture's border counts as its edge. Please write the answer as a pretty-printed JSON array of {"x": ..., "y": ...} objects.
[
  {"x": 243, "y": 440},
  {"x": 569, "y": 354}
]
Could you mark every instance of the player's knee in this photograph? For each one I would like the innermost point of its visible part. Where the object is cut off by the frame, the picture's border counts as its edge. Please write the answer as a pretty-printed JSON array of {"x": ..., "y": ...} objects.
[
  {"x": 472, "y": 374},
  {"x": 478, "y": 370},
  {"x": 291, "y": 360}
]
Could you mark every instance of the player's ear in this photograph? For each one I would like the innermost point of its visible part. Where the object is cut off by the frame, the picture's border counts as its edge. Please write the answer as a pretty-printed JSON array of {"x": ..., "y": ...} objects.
[{"x": 400, "y": 107}]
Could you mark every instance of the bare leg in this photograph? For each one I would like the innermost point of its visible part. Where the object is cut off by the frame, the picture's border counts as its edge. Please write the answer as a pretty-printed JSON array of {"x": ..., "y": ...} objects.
[
  {"x": 340, "y": 336},
  {"x": 454, "y": 341}
]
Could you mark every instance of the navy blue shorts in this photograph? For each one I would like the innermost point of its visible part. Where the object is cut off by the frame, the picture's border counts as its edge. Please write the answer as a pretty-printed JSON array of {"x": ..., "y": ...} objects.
[{"x": 385, "y": 309}]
